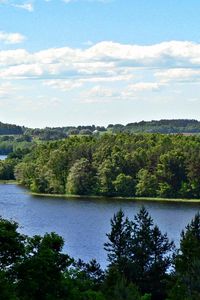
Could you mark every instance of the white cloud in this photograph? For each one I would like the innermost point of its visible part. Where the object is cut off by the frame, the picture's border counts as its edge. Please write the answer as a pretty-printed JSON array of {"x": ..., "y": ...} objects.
[
  {"x": 101, "y": 68},
  {"x": 179, "y": 75},
  {"x": 14, "y": 58},
  {"x": 193, "y": 100},
  {"x": 144, "y": 86},
  {"x": 6, "y": 90},
  {"x": 11, "y": 38},
  {"x": 69, "y": 1},
  {"x": 88, "y": 43},
  {"x": 26, "y": 6},
  {"x": 105, "y": 59},
  {"x": 99, "y": 94},
  {"x": 98, "y": 91},
  {"x": 63, "y": 85},
  {"x": 133, "y": 89}
]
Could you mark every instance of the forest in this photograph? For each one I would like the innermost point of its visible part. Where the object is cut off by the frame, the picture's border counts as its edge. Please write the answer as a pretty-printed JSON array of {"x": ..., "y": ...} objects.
[
  {"x": 110, "y": 165},
  {"x": 143, "y": 264},
  {"x": 9, "y": 132},
  {"x": 162, "y": 126},
  {"x": 11, "y": 143}
]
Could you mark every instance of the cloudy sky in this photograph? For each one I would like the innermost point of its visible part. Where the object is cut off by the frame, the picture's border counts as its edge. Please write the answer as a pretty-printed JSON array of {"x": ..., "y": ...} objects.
[{"x": 76, "y": 62}]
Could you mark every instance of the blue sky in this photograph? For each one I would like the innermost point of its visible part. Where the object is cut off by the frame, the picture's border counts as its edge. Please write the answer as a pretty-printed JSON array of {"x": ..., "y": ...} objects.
[{"x": 98, "y": 61}]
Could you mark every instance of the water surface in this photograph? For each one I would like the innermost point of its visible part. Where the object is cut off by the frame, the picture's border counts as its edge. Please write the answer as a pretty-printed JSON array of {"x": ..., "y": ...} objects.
[
  {"x": 84, "y": 222},
  {"x": 3, "y": 157}
]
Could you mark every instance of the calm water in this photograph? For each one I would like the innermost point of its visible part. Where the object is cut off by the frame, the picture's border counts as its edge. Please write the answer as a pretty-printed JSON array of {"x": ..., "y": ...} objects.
[
  {"x": 2, "y": 157},
  {"x": 84, "y": 223}
]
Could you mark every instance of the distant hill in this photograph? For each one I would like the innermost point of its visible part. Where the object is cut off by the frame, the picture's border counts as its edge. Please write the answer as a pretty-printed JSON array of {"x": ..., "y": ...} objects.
[
  {"x": 183, "y": 126},
  {"x": 9, "y": 129}
]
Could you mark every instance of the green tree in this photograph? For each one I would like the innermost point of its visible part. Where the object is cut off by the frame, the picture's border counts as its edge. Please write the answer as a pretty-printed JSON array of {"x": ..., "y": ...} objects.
[
  {"x": 124, "y": 291},
  {"x": 187, "y": 263},
  {"x": 151, "y": 255},
  {"x": 12, "y": 250},
  {"x": 138, "y": 251},
  {"x": 81, "y": 178},
  {"x": 57, "y": 166},
  {"x": 124, "y": 185},
  {"x": 118, "y": 241},
  {"x": 41, "y": 274},
  {"x": 7, "y": 291},
  {"x": 24, "y": 173},
  {"x": 171, "y": 173},
  {"x": 12, "y": 246},
  {"x": 7, "y": 169},
  {"x": 193, "y": 173},
  {"x": 147, "y": 184},
  {"x": 106, "y": 177}
]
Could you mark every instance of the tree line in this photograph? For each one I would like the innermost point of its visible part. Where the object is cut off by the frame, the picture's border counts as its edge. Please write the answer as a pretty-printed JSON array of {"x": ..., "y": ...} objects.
[
  {"x": 11, "y": 143},
  {"x": 143, "y": 264},
  {"x": 186, "y": 126},
  {"x": 127, "y": 165},
  {"x": 161, "y": 126},
  {"x": 7, "y": 129}
]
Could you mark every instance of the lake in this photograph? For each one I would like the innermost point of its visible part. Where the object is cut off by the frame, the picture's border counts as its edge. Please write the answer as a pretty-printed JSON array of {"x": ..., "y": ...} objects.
[
  {"x": 84, "y": 222},
  {"x": 2, "y": 157}
]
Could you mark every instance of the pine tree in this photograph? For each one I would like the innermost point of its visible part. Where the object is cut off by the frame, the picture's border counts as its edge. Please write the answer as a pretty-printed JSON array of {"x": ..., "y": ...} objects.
[
  {"x": 119, "y": 239},
  {"x": 140, "y": 252},
  {"x": 151, "y": 255},
  {"x": 187, "y": 263}
]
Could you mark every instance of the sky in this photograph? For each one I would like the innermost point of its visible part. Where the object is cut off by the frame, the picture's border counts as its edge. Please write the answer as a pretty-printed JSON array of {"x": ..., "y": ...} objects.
[{"x": 84, "y": 62}]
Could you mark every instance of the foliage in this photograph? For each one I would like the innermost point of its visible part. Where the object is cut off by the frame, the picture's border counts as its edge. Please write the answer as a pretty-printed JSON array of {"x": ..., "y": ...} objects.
[
  {"x": 140, "y": 264},
  {"x": 187, "y": 263},
  {"x": 162, "y": 126},
  {"x": 145, "y": 165},
  {"x": 118, "y": 241},
  {"x": 10, "y": 129},
  {"x": 139, "y": 252},
  {"x": 81, "y": 178}
]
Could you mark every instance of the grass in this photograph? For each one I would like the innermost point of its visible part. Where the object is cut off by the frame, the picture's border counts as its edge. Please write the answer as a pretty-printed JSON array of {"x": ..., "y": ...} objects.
[
  {"x": 150, "y": 199},
  {"x": 8, "y": 182}
]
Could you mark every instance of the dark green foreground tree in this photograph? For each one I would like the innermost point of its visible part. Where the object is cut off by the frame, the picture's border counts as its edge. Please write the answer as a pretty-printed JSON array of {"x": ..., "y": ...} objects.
[
  {"x": 35, "y": 268},
  {"x": 140, "y": 253},
  {"x": 31, "y": 268},
  {"x": 187, "y": 264},
  {"x": 12, "y": 251},
  {"x": 40, "y": 274},
  {"x": 140, "y": 264}
]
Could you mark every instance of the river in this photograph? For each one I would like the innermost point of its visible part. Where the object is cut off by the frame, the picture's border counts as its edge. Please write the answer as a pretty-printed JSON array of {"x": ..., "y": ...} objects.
[{"x": 84, "y": 222}]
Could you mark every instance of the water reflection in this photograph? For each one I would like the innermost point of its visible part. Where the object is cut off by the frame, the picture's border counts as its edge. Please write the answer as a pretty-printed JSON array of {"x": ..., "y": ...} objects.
[{"x": 3, "y": 157}]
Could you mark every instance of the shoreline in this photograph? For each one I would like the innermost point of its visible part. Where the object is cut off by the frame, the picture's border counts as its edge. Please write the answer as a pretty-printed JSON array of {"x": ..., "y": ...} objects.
[
  {"x": 9, "y": 182},
  {"x": 151, "y": 199},
  {"x": 69, "y": 196}
]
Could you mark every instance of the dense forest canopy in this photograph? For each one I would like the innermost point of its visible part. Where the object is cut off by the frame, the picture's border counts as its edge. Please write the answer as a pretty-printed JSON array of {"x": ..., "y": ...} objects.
[
  {"x": 7, "y": 129},
  {"x": 129, "y": 165},
  {"x": 162, "y": 126},
  {"x": 13, "y": 137},
  {"x": 118, "y": 160},
  {"x": 11, "y": 143}
]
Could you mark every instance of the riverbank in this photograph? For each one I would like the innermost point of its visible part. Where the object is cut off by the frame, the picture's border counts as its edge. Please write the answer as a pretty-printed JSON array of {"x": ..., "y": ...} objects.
[
  {"x": 9, "y": 182},
  {"x": 150, "y": 199}
]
